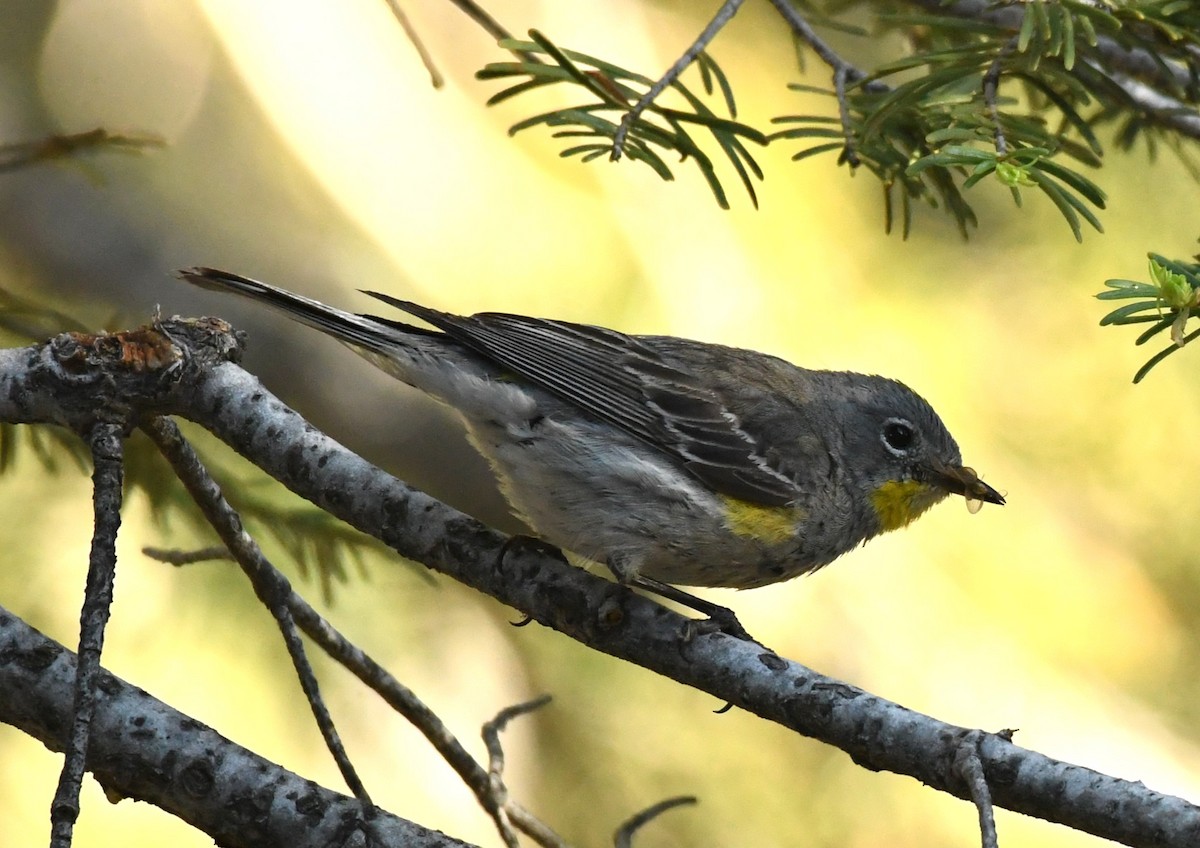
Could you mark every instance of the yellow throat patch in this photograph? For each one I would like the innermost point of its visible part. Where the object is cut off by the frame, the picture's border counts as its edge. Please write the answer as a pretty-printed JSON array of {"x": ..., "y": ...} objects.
[
  {"x": 755, "y": 521},
  {"x": 898, "y": 503}
]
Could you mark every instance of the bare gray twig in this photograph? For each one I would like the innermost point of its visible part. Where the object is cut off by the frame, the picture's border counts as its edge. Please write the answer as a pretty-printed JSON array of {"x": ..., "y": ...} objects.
[
  {"x": 435, "y": 76},
  {"x": 497, "y": 802},
  {"x": 108, "y": 451},
  {"x": 271, "y": 587},
  {"x": 724, "y": 15},
  {"x": 804, "y": 31},
  {"x": 969, "y": 766},
  {"x": 288, "y": 605},
  {"x": 624, "y": 835},
  {"x": 171, "y": 556}
]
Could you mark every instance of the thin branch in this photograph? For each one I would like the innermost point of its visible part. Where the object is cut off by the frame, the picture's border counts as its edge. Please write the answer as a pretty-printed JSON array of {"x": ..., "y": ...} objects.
[
  {"x": 435, "y": 76},
  {"x": 246, "y": 552},
  {"x": 1139, "y": 72},
  {"x": 405, "y": 702},
  {"x": 970, "y": 768},
  {"x": 1161, "y": 108},
  {"x": 107, "y": 445},
  {"x": 23, "y": 153},
  {"x": 498, "y": 801},
  {"x": 991, "y": 88},
  {"x": 724, "y": 15},
  {"x": 480, "y": 16},
  {"x": 1136, "y": 61},
  {"x": 492, "y": 27},
  {"x": 804, "y": 31},
  {"x": 493, "y": 729},
  {"x": 624, "y": 835},
  {"x": 179, "y": 558},
  {"x": 271, "y": 587},
  {"x": 849, "y": 155}
]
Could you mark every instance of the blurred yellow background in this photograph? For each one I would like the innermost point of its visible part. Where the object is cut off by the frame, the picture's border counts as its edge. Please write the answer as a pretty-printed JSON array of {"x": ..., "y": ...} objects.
[{"x": 306, "y": 147}]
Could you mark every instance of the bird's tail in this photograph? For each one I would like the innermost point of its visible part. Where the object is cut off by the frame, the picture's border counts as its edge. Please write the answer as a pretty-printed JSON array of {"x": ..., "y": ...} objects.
[
  {"x": 426, "y": 359},
  {"x": 359, "y": 331}
]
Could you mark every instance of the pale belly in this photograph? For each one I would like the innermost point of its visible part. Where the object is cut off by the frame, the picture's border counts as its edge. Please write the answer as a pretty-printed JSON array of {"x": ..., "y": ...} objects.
[{"x": 616, "y": 502}]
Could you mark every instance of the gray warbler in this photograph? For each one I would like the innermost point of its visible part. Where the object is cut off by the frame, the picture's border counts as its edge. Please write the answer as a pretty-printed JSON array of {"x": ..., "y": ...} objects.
[{"x": 671, "y": 461}]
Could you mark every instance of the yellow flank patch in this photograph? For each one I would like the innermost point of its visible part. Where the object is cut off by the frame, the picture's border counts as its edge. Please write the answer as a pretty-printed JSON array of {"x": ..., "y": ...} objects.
[
  {"x": 755, "y": 521},
  {"x": 900, "y": 502}
]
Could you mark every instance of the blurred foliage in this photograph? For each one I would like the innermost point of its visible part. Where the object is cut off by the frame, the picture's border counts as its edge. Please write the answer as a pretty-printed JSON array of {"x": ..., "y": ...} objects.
[
  {"x": 323, "y": 547},
  {"x": 32, "y": 320},
  {"x": 1172, "y": 295},
  {"x": 70, "y": 147}
]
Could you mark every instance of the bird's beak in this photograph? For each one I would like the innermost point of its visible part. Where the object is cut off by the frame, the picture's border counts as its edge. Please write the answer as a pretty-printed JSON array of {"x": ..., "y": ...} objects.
[{"x": 961, "y": 480}]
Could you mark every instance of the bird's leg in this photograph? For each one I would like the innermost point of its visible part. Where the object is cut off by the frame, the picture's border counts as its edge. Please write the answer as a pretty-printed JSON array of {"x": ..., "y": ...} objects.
[{"x": 720, "y": 619}]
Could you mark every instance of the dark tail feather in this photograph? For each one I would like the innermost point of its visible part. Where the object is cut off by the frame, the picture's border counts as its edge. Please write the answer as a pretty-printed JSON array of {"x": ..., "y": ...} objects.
[{"x": 358, "y": 330}]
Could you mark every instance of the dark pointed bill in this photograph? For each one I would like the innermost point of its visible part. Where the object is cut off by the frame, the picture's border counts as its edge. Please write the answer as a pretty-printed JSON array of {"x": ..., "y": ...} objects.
[{"x": 962, "y": 480}]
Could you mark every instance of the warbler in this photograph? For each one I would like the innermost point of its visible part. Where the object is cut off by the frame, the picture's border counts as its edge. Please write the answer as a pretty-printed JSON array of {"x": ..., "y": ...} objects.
[{"x": 672, "y": 461}]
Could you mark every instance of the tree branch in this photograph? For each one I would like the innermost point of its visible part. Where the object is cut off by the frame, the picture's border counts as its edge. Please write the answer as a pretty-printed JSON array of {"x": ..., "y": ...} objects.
[
  {"x": 143, "y": 749},
  {"x": 270, "y": 586},
  {"x": 275, "y": 590},
  {"x": 414, "y": 38},
  {"x": 1162, "y": 109},
  {"x": 723, "y": 16},
  {"x": 107, "y": 444},
  {"x": 803, "y": 30},
  {"x": 1142, "y": 75},
  {"x": 199, "y": 381},
  {"x": 491, "y": 26}
]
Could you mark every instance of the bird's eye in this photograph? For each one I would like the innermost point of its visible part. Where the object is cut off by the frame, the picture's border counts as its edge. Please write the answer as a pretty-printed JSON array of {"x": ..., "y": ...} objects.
[{"x": 898, "y": 436}]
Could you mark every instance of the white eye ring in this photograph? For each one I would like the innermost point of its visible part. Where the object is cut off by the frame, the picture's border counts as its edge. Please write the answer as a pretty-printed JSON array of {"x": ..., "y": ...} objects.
[{"x": 898, "y": 436}]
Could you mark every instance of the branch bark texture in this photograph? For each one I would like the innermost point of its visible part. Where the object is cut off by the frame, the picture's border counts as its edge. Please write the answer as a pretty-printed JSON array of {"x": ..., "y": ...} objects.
[
  {"x": 204, "y": 385},
  {"x": 142, "y": 748}
]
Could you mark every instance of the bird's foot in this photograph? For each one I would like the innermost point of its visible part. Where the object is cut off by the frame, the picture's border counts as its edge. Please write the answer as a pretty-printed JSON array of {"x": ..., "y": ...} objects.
[
  {"x": 518, "y": 542},
  {"x": 719, "y": 619}
]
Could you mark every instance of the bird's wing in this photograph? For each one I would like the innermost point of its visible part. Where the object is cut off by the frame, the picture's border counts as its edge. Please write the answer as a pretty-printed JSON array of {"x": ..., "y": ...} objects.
[{"x": 622, "y": 380}]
